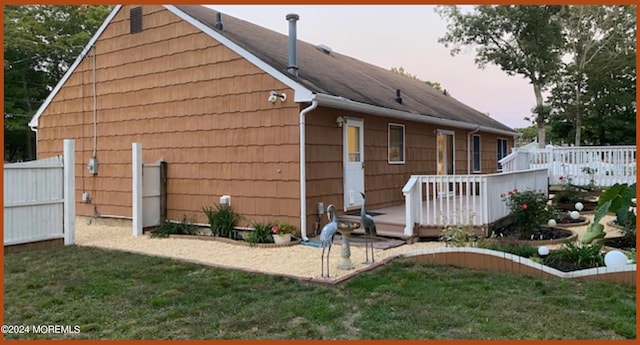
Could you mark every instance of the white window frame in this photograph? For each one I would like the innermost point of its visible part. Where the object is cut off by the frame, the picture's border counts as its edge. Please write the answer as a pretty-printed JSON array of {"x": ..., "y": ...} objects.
[
  {"x": 404, "y": 140},
  {"x": 498, "y": 144},
  {"x": 473, "y": 153}
]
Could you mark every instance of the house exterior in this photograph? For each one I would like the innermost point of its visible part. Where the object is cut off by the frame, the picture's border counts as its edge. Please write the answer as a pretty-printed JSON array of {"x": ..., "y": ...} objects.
[{"x": 236, "y": 109}]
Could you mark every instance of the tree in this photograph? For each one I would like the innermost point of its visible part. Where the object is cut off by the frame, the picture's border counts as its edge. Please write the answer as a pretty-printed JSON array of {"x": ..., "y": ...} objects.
[
  {"x": 524, "y": 40},
  {"x": 591, "y": 32},
  {"x": 598, "y": 38},
  {"x": 433, "y": 84},
  {"x": 40, "y": 44}
]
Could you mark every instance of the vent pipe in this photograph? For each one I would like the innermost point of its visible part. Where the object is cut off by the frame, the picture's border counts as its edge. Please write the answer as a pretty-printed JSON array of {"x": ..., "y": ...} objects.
[
  {"x": 398, "y": 97},
  {"x": 292, "y": 68},
  {"x": 219, "y": 25}
]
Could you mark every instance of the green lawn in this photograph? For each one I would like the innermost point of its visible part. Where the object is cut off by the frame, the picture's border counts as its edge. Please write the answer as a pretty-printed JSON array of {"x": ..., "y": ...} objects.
[{"x": 115, "y": 295}]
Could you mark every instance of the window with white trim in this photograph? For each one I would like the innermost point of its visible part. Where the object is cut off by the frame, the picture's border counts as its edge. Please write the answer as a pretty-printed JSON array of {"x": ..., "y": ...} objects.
[
  {"x": 396, "y": 144},
  {"x": 502, "y": 151},
  {"x": 476, "y": 153}
]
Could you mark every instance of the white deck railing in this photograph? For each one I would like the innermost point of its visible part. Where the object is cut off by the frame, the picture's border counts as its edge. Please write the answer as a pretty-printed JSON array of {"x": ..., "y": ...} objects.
[
  {"x": 584, "y": 165},
  {"x": 442, "y": 200}
]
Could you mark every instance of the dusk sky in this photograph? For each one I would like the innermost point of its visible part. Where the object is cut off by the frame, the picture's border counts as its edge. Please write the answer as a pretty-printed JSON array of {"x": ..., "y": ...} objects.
[{"x": 401, "y": 35}]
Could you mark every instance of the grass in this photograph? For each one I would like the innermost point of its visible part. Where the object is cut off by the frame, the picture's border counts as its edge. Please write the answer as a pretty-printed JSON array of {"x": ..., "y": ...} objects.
[{"x": 116, "y": 295}]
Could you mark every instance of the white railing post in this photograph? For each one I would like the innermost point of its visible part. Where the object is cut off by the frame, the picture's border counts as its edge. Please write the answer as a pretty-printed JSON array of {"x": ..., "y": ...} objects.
[
  {"x": 69, "y": 191},
  {"x": 136, "y": 188}
]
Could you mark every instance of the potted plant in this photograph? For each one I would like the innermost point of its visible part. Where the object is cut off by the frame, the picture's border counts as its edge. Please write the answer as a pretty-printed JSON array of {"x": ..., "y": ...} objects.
[{"x": 282, "y": 232}]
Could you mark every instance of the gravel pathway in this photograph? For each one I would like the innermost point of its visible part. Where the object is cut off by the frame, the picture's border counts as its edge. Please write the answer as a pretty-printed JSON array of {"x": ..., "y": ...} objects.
[{"x": 299, "y": 260}]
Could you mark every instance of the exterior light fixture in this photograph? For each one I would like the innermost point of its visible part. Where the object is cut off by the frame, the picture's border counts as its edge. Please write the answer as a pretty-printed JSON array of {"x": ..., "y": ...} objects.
[
  {"x": 340, "y": 121},
  {"x": 273, "y": 96}
]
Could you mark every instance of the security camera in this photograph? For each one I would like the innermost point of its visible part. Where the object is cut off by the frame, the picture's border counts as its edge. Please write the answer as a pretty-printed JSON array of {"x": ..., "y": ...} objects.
[{"x": 272, "y": 98}]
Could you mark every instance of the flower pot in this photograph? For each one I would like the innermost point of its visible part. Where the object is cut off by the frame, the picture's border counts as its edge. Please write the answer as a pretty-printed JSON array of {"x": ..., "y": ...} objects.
[{"x": 279, "y": 239}]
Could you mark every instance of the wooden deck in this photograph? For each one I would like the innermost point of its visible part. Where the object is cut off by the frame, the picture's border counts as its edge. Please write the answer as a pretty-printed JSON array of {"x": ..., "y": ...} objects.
[{"x": 390, "y": 221}]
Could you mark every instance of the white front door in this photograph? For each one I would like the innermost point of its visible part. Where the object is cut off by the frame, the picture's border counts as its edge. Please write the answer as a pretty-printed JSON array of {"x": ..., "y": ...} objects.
[{"x": 353, "y": 148}]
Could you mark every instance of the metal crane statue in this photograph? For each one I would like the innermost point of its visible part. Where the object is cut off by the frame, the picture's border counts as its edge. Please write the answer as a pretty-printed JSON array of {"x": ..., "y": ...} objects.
[
  {"x": 369, "y": 231},
  {"x": 326, "y": 235}
]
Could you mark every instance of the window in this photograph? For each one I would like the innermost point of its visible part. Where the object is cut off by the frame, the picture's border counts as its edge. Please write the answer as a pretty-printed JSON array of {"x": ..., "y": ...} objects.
[
  {"x": 502, "y": 151},
  {"x": 396, "y": 144},
  {"x": 135, "y": 19},
  {"x": 476, "y": 153}
]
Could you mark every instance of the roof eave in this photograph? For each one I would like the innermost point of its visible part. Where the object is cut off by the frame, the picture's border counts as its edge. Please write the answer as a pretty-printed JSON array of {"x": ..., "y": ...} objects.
[{"x": 347, "y": 104}]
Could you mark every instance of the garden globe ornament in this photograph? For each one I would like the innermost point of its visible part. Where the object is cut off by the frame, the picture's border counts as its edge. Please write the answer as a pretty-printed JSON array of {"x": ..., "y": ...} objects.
[
  {"x": 615, "y": 258},
  {"x": 543, "y": 250},
  {"x": 579, "y": 206},
  {"x": 552, "y": 222},
  {"x": 574, "y": 214}
]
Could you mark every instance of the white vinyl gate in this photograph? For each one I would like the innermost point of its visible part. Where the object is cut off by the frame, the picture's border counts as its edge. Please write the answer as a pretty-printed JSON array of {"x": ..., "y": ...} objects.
[
  {"x": 39, "y": 199},
  {"x": 152, "y": 193}
]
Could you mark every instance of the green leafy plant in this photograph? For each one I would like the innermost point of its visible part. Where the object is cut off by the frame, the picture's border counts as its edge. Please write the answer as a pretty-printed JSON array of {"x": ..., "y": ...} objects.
[
  {"x": 261, "y": 233},
  {"x": 573, "y": 256},
  {"x": 458, "y": 235},
  {"x": 283, "y": 229},
  {"x": 520, "y": 248},
  {"x": 167, "y": 228},
  {"x": 528, "y": 210},
  {"x": 222, "y": 220},
  {"x": 617, "y": 199}
]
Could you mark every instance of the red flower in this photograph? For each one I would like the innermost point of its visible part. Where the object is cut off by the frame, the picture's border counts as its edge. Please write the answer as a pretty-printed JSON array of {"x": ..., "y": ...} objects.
[
  {"x": 510, "y": 192},
  {"x": 502, "y": 195},
  {"x": 524, "y": 206},
  {"x": 515, "y": 190},
  {"x": 274, "y": 229},
  {"x": 560, "y": 178}
]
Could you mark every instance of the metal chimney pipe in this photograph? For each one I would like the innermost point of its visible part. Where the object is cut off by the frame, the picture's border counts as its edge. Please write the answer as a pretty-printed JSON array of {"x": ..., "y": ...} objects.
[
  {"x": 292, "y": 68},
  {"x": 219, "y": 25}
]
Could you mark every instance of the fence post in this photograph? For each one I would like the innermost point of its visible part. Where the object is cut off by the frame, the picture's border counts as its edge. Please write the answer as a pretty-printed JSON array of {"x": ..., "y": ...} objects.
[
  {"x": 69, "y": 161},
  {"x": 136, "y": 189}
]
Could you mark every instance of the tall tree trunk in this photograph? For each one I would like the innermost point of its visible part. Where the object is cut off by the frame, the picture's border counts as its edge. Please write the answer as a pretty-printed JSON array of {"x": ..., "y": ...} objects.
[
  {"x": 541, "y": 115},
  {"x": 578, "y": 123}
]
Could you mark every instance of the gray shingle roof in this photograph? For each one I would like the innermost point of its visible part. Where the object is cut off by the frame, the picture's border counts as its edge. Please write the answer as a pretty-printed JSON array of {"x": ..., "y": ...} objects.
[{"x": 340, "y": 75}]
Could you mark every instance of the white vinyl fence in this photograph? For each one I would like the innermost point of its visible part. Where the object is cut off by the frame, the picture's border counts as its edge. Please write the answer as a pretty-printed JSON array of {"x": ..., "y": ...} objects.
[
  {"x": 584, "y": 165},
  {"x": 39, "y": 199},
  {"x": 147, "y": 186}
]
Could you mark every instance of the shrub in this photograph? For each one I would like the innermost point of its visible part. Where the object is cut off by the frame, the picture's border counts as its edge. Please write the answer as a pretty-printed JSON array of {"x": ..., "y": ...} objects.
[
  {"x": 261, "y": 233},
  {"x": 172, "y": 228},
  {"x": 222, "y": 220},
  {"x": 528, "y": 210},
  {"x": 458, "y": 235},
  {"x": 576, "y": 256}
]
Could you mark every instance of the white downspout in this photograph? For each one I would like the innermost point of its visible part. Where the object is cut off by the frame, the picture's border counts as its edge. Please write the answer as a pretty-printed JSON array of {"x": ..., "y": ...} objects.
[
  {"x": 469, "y": 149},
  {"x": 303, "y": 171}
]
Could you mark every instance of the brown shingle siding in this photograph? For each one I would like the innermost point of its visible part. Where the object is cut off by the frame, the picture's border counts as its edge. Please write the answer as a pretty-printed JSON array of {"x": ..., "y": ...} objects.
[{"x": 189, "y": 101}]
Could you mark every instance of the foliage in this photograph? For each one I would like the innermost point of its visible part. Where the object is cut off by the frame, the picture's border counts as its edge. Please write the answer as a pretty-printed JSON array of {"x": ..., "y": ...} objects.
[
  {"x": 433, "y": 84},
  {"x": 576, "y": 256},
  {"x": 601, "y": 64},
  {"x": 458, "y": 235},
  {"x": 618, "y": 199},
  {"x": 524, "y": 40},
  {"x": 107, "y": 292},
  {"x": 631, "y": 254},
  {"x": 40, "y": 43},
  {"x": 222, "y": 220},
  {"x": 261, "y": 233},
  {"x": 283, "y": 228},
  {"x": 520, "y": 248},
  {"x": 528, "y": 210},
  {"x": 175, "y": 228}
]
